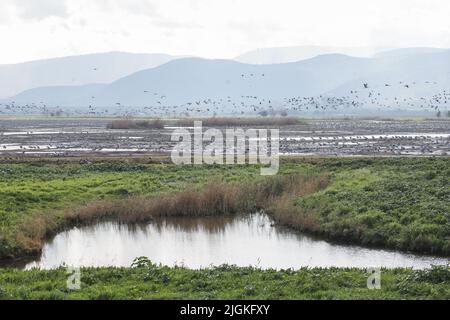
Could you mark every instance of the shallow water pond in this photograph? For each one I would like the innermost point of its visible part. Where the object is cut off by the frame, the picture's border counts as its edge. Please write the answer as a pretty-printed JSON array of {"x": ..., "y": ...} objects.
[{"x": 200, "y": 242}]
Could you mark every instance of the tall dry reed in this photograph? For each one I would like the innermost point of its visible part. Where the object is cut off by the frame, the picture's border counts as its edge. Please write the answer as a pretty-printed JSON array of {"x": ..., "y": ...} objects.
[{"x": 275, "y": 194}]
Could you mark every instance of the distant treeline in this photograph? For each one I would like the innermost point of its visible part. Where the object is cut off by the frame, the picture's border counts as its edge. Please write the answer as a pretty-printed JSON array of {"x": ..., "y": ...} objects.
[{"x": 207, "y": 122}]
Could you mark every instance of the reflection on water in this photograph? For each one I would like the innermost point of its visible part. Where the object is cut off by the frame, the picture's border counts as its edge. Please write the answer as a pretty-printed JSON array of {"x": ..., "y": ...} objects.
[{"x": 200, "y": 242}]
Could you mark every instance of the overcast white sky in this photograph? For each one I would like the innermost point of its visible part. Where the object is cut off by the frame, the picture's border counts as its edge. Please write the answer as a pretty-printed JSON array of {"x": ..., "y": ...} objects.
[{"x": 34, "y": 29}]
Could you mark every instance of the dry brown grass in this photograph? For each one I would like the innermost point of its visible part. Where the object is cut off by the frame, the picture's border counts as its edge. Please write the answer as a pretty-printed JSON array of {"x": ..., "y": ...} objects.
[
  {"x": 135, "y": 124},
  {"x": 275, "y": 194},
  {"x": 34, "y": 230},
  {"x": 241, "y": 121},
  {"x": 284, "y": 210}
]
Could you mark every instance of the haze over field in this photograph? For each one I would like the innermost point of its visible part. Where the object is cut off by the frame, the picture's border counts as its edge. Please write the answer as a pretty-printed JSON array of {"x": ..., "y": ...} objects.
[
  {"x": 224, "y": 150},
  {"x": 408, "y": 79},
  {"x": 228, "y": 58}
]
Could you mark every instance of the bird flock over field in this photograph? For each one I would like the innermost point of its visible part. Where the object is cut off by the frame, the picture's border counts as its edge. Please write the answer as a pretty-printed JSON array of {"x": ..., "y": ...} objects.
[{"x": 364, "y": 96}]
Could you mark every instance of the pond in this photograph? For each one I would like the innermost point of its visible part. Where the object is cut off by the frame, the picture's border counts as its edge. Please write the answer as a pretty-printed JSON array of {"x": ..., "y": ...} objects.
[{"x": 200, "y": 242}]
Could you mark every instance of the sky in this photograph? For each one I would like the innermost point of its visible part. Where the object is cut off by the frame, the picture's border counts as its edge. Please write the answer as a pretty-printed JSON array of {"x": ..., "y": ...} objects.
[{"x": 39, "y": 29}]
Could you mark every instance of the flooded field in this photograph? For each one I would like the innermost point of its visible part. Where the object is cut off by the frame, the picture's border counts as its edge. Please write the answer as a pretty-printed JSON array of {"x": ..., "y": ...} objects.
[
  {"x": 63, "y": 137},
  {"x": 251, "y": 240}
]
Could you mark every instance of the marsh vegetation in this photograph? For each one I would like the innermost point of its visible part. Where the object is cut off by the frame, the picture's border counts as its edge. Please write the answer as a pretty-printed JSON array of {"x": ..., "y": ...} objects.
[
  {"x": 396, "y": 203},
  {"x": 147, "y": 280},
  {"x": 387, "y": 202}
]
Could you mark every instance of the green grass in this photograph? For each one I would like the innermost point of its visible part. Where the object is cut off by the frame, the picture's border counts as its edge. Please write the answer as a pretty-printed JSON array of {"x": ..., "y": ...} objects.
[
  {"x": 31, "y": 188},
  {"x": 149, "y": 281},
  {"x": 396, "y": 203},
  {"x": 400, "y": 203}
]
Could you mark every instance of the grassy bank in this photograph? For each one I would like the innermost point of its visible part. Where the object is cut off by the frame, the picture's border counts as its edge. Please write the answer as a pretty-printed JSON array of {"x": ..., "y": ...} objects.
[
  {"x": 397, "y": 203},
  {"x": 214, "y": 198},
  {"x": 45, "y": 190},
  {"x": 148, "y": 281},
  {"x": 400, "y": 203}
]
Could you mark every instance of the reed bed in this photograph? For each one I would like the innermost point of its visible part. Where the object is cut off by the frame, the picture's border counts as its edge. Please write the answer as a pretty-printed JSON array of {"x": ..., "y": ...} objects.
[{"x": 276, "y": 195}]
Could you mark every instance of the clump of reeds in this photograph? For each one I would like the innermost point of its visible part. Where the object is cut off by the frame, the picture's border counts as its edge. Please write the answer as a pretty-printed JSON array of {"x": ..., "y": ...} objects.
[
  {"x": 135, "y": 124},
  {"x": 213, "y": 199},
  {"x": 275, "y": 194}
]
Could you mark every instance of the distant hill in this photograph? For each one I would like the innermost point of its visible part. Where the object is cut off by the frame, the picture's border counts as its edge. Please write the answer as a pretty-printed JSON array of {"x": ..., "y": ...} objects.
[
  {"x": 74, "y": 70},
  {"x": 293, "y": 54},
  {"x": 403, "y": 52},
  {"x": 411, "y": 75},
  {"x": 190, "y": 80}
]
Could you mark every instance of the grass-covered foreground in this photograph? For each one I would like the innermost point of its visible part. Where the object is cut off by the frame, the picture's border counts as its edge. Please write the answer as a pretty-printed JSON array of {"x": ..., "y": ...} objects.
[
  {"x": 400, "y": 203},
  {"x": 148, "y": 281}
]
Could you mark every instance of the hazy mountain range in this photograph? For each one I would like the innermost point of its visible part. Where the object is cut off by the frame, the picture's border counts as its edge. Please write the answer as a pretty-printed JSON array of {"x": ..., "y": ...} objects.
[
  {"x": 293, "y": 54},
  {"x": 75, "y": 70},
  {"x": 145, "y": 80}
]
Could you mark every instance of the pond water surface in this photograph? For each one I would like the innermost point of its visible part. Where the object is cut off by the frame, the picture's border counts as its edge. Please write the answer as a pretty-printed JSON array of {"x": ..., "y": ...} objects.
[{"x": 200, "y": 242}]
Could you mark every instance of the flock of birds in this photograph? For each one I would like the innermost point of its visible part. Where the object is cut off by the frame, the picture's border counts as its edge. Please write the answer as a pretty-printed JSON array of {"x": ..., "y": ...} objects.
[
  {"x": 373, "y": 96},
  {"x": 366, "y": 96}
]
